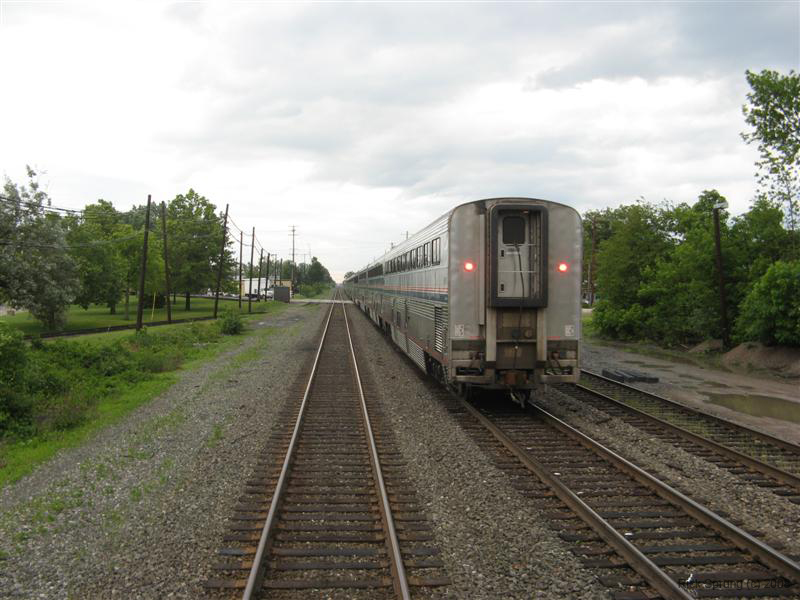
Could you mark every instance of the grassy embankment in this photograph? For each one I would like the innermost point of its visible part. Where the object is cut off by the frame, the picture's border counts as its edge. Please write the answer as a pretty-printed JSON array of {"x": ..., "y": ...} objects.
[
  {"x": 98, "y": 316},
  {"x": 67, "y": 390}
]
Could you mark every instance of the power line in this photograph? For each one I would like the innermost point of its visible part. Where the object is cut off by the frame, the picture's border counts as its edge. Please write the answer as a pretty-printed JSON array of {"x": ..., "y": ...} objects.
[{"x": 37, "y": 205}]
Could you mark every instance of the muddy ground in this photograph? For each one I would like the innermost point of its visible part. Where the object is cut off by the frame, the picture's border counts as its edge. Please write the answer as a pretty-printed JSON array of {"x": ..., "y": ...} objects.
[{"x": 762, "y": 401}]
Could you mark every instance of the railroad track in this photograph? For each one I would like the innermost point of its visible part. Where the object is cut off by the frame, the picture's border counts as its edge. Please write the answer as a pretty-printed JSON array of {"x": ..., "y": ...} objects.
[
  {"x": 647, "y": 539},
  {"x": 333, "y": 513},
  {"x": 759, "y": 458}
]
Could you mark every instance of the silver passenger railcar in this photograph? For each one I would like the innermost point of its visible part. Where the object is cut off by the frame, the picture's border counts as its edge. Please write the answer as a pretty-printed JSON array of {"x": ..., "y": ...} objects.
[{"x": 487, "y": 295}]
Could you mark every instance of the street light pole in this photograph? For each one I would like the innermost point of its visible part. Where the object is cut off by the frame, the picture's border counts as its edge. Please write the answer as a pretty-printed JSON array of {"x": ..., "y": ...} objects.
[{"x": 723, "y": 304}]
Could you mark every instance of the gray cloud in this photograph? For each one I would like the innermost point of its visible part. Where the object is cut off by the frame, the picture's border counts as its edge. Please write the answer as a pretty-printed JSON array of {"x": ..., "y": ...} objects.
[{"x": 427, "y": 105}]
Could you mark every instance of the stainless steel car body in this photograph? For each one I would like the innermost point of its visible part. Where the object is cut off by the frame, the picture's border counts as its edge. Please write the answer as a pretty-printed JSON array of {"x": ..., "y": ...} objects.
[{"x": 487, "y": 295}]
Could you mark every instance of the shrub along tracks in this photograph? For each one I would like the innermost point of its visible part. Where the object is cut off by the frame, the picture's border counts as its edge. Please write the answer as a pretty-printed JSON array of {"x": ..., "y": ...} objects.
[
  {"x": 759, "y": 458},
  {"x": 329, "y": 508}
]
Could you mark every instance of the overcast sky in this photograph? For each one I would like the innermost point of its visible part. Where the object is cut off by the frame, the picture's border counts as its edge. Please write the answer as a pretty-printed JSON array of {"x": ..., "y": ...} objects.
[{"x": 358, "y": 122}]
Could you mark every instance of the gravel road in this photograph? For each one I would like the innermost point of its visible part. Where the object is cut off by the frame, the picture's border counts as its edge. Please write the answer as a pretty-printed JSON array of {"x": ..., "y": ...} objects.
[{"x": 139, "y": 510}]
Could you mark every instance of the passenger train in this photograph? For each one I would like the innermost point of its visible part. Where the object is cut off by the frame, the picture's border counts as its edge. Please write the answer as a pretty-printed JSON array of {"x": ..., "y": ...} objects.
[{"x": 487, "y": 296}]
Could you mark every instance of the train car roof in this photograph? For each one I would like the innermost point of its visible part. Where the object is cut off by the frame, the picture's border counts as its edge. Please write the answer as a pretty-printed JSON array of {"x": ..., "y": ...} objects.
[{"x": 411, "y": 242}]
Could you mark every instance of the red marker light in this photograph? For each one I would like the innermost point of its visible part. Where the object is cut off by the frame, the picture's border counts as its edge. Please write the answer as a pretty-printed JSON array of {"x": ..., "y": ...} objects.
[
  {"x": 563, "y": 267},
  {"x": 469, "y": 266}
]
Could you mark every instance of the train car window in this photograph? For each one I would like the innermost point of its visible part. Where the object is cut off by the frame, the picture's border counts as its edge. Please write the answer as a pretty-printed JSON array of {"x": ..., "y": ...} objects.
[
  {"x": 426, "y": 254},
  {"x": 513, "y": 230},
  {"x": 436, "y": 252}
]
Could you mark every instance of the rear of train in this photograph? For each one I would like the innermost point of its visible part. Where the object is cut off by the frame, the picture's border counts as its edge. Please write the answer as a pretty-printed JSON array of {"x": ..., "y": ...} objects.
[{"x": 514, "y": 269}]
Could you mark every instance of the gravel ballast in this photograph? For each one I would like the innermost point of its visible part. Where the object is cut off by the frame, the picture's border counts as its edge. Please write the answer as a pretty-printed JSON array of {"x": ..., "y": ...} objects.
[
  {"x": 495, "y": 543},
  {"x": 140, "y": 509},
  {"x": 770, "y": 517}
]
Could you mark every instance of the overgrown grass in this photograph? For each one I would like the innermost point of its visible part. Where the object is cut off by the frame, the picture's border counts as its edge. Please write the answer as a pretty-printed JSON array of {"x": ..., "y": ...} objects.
[
  {"x": 113, "y": 373},
  {"x": 98, "y": 316},
  {"x": 313, "y": 291}
]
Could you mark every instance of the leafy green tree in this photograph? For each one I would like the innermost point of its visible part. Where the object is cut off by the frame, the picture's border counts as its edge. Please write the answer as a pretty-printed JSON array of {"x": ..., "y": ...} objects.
[
  {"x": 757, "y": 240},
  {"x": 194, "y": 232},
  {"x": 771, "y": 311},
  {"x": 773, "y": 111},
  {"x": 101, "y": 264},
  {"x": 681, "y": 290},
  {"x": 637, "y": 241},
  {"x": 317, "y": 273},
  {"x": 36, "y": 269}
]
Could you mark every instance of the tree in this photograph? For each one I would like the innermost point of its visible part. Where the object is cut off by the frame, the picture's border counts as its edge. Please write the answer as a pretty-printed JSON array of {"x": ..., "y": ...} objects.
[
  {"x": 194, "y": 232},
  {"x": 638, "y": 240},
  {"x": 317, "y": 273},
  {"x": 773, "y": 110},
  {"x": 681, "y": 290},
  {"x": 36, "y": 269},
  {"x": 96, "y": 249},
  {"x": 757, "y": 240},
  {"x": 771, "y": 311}
]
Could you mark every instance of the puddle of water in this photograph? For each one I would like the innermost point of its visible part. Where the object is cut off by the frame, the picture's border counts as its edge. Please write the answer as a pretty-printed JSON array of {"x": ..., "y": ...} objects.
[{"x": 759, "y": 406}]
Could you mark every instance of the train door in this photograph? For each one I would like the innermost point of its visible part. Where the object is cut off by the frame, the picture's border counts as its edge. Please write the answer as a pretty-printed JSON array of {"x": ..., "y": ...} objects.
[
  {"x": 518, "y": 249},
  {"x": 519, "y": 259}
]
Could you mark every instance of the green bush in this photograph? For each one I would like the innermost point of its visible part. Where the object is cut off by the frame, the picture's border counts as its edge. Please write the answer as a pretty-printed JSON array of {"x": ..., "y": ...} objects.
[
  {"x": 167, "y": 359},
  {"x": 57, "y": 385},
  {"x": 313, "y": 290},
  {"x": 621, "y": 323},
  {"x": 13, "y": 366},
  {"x": 230, "y": 322},
  {"x": 770, "y": 312}
]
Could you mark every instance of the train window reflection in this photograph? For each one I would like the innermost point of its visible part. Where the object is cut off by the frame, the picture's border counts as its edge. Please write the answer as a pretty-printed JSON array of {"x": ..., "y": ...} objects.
[{"x": 513, "y": 230}]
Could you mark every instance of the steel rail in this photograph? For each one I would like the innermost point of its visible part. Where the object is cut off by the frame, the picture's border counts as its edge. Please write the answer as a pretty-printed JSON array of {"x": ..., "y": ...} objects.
[
  {"x": 765, "y": 468},
  {"x": 653, "y": 575},
  {"x": 397, "y": 567},
  {"x": 740, "y": 538},
  {"x": 765, "y": 437},
  {"x": 256, "y": 576}
]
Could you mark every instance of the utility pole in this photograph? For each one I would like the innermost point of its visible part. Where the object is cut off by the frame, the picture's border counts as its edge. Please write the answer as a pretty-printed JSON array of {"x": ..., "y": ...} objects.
[
  {"x": 250, "y": 291},
  {"x": 592, "y": 266},
  {"x": 280, "y": 271},
  {"x": 291, "y": 283},
  {"x": 143, "y": 267},
  {"x": 267, "y": 272},
  {"x": 166, "y": 258},
  {"x": 241, "y": 241},
  {"x": 723, "y": 304},
  {"x": 221, "y": 258},
  {"x": 260, "y": 264}
]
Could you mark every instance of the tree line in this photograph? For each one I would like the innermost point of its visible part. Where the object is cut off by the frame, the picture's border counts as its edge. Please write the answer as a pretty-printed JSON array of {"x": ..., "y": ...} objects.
[
  {"x": 652, "y": 267},
  {"x": 51, "y": 258}
]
